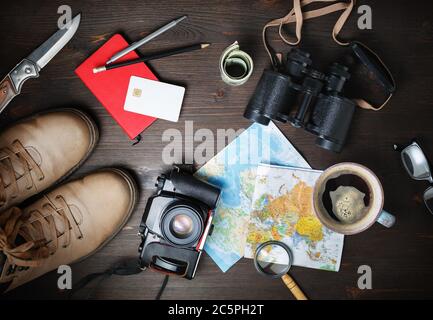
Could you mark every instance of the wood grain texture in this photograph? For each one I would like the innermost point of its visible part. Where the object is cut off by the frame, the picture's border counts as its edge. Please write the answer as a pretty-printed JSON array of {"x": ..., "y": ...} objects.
[{"x": 401, "y": 258}]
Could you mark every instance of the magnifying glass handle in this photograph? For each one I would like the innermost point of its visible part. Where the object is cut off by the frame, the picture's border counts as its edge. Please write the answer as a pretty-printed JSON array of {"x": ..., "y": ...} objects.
[{"x": 293, "y": 287}]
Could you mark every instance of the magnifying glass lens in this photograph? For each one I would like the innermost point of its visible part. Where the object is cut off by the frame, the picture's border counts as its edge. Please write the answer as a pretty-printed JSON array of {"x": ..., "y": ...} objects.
[{"x": 273, "y": 259}]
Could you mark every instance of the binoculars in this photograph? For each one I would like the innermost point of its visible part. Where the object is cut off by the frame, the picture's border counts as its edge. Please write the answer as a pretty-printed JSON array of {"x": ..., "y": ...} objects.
[{"x": 306, "y": 98}]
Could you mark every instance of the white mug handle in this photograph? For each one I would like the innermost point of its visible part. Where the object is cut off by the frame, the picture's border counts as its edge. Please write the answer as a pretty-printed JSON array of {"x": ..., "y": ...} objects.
[{"x": 386, "y": 219}]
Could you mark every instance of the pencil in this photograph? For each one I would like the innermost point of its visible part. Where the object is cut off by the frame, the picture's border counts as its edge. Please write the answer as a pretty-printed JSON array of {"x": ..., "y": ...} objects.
[
  {"x": 153, "y": 56},
  {"x": 151, "y": 36}
]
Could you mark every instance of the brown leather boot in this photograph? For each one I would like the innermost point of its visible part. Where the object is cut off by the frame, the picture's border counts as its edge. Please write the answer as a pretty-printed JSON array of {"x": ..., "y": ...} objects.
[
  {"x": 42, "y": 150},
  {"x": 64, "y": 226}
]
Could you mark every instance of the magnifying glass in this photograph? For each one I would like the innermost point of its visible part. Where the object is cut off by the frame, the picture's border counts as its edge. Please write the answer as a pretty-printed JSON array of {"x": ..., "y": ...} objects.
[{"x": 274, "y": 259}]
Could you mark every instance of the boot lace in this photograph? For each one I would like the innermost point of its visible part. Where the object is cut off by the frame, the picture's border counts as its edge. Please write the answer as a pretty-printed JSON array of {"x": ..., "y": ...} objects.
[
  {"x": 16, "y": 155},
  {"x": 39, "y": 232}
]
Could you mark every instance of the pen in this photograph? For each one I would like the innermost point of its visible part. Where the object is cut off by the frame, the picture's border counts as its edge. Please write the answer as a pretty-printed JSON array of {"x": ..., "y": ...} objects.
[
  {"x": 153, "y": 56},
  {"x": 151, "y": 36}
]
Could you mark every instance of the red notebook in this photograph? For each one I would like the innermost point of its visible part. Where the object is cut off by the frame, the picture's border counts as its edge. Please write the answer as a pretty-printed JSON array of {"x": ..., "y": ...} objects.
[{"x": 110, "y": 87}]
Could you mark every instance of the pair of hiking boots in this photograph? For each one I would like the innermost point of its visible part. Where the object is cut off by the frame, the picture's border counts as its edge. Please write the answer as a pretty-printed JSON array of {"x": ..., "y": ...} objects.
[{"x": 69, "y": 222}]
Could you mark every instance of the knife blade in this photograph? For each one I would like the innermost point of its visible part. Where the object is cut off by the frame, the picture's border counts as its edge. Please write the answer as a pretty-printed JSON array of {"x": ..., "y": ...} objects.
[{"x": 30, "y": 66}]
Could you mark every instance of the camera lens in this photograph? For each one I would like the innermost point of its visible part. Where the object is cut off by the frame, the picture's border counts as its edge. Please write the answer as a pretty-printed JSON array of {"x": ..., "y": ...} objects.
[{"x": 182, "y": 225}]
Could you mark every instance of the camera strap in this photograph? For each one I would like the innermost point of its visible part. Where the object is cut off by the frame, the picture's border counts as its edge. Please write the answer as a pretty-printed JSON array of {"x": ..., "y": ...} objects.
[
  {"x": 366, "y": 56},
  {"x": 126, "y": 267}
]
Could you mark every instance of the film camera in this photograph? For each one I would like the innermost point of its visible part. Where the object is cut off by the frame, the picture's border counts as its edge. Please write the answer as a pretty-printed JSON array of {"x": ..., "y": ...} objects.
[
  {"x": 306, "y": 98},
  {"x": 176, "y": 223}
]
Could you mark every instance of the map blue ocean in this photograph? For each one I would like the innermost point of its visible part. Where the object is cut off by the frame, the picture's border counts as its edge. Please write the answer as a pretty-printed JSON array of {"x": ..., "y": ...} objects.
[{"x": 233, "y": 170}]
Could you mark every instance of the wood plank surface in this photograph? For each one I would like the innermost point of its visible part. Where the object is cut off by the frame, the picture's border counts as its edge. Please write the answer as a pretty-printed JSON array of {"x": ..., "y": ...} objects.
[{"x": 401, "y": 258}]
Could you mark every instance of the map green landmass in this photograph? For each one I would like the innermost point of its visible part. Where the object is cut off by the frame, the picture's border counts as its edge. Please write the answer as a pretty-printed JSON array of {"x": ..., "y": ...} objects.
[
  {"x": 234, "y": 171},
  {"x": 282, "y": 211}
]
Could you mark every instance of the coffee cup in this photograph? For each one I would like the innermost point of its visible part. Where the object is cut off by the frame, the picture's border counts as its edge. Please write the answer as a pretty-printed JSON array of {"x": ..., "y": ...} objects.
[{"x": 348, "y": 198}]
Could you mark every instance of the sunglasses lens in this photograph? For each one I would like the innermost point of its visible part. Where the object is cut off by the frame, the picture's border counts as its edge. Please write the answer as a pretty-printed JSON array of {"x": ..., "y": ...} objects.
[
  {"x": 428, "y": 199},
  {"x": 407, "y": 161},
  {"x": 416, "y": 163}
]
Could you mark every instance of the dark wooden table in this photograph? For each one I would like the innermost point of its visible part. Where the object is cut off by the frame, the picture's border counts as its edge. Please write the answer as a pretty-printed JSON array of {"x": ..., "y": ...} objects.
[{"x": 401, "y": 258}]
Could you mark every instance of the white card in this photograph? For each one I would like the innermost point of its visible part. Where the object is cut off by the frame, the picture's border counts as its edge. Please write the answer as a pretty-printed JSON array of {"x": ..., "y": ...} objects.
[{"x": 154, "y": 98}]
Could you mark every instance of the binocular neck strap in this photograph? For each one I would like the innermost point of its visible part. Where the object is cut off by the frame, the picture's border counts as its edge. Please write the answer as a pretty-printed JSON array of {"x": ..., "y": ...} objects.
[
  {"x": 368, "y": 106},
  {"x": 297, "y": 16}
]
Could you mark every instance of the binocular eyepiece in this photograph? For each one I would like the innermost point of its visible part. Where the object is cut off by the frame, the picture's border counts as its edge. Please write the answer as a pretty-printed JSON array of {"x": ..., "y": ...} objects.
[{"x": 306, "y": 98}]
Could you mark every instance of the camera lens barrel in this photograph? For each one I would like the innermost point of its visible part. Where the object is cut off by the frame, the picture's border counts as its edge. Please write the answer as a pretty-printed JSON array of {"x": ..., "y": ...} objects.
[
  {"x": 274, "y": 95},
  {"x": 179, "y": 232}
]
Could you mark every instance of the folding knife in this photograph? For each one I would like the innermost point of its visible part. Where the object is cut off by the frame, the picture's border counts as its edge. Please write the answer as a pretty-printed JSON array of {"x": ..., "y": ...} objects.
[{"x": 30, "y": 67}]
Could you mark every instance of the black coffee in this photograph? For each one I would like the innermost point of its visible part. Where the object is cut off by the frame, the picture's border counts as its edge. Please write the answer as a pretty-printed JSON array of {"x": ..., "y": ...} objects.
[{"x": 346, "y": 180}]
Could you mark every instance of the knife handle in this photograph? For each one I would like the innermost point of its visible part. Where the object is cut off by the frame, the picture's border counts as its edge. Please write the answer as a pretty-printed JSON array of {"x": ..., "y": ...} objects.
[
  {"x": 11, "y": 85},
  {"x": 7, "y": 92}
]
